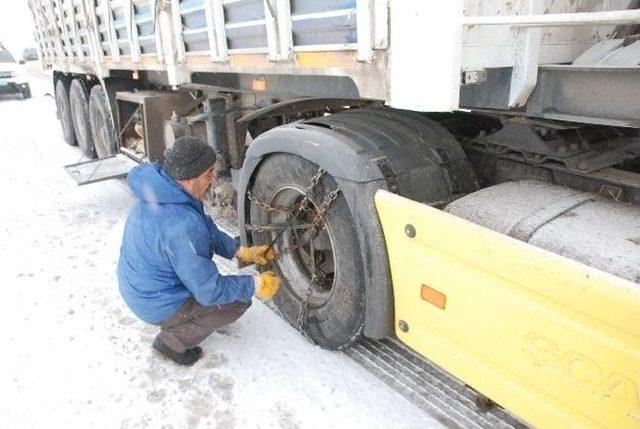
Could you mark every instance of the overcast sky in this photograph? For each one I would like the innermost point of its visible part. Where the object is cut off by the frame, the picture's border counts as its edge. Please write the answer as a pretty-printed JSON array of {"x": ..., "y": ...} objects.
[{"x": 16, "y": 28}]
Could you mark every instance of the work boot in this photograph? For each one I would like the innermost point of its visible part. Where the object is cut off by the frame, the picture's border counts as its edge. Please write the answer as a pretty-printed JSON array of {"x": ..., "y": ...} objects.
[{"x": 188, "y": 358}]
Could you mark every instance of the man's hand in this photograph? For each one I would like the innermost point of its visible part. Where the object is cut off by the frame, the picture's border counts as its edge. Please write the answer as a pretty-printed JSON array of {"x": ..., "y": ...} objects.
[
  {"x": 260, "y": 255},
  {"x": 266, "y": 285}
]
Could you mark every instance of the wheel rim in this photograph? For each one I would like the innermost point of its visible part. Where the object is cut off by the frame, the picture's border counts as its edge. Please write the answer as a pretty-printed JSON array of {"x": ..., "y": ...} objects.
[
  {"x": 80, "y": 123},
  {"x": 102, "y": 139},
  {"x": 64, "y": 114},
  {"x": 296, "y": 266}
]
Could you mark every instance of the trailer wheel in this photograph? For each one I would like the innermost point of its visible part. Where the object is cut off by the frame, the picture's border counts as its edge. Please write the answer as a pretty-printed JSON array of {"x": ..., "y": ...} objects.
[
  {"x": 79, "y": 101},
  {"x": 334, "y": 316},
  {"x": 64, "y": 113},
  {"x": 102, "y": 127}
]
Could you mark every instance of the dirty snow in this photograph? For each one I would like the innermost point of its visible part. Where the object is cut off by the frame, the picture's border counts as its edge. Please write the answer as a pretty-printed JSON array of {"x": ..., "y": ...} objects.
[{"x": 74, "y": 356}]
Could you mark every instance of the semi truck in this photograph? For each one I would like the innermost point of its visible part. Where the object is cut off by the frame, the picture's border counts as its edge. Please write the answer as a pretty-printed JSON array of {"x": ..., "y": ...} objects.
[{"x": 463, "y": 176}]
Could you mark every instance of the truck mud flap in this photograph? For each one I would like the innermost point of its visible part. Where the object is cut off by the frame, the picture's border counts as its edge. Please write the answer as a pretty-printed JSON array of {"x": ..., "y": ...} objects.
[
  {"x": 553, "y": 341},
  {"x": 98, "y": 170}
]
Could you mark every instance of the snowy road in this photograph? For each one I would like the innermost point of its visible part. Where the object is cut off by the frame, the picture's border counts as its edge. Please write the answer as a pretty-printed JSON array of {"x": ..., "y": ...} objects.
[{"x": 73, "y": 356}]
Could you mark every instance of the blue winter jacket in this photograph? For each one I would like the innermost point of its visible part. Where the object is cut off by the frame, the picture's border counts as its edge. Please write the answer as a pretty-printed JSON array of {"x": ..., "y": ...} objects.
[{"x": 166, "y": 251}]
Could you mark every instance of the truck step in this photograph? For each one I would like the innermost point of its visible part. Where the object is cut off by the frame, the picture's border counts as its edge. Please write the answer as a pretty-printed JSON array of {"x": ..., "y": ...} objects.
[{"x": 421, "y": 382}]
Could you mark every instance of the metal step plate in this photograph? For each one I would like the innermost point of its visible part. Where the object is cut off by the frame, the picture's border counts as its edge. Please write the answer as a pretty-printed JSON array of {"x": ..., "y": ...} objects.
[
  {"x": 428, "y": 387},
  {"x": 98, "y": 170}
]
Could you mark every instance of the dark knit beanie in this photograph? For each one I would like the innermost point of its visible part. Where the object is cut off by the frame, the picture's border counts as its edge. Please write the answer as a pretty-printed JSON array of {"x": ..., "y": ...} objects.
[{"x": 188, "y": 158}]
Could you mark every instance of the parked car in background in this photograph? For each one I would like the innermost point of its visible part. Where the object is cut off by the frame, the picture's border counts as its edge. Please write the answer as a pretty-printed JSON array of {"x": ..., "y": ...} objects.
[
  {"x": 30, "y": 54},
  {"x": 12, "y": 81}
]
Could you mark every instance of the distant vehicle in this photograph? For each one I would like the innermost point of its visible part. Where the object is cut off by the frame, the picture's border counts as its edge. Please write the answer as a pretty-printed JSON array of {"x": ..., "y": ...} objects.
[
  {"x": 11, "y": 81},
  {"x": 30, "y": 54}
]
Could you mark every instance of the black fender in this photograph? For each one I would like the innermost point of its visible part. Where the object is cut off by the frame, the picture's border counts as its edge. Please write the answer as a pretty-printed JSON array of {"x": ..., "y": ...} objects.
[{"x": 366, "y": 150}]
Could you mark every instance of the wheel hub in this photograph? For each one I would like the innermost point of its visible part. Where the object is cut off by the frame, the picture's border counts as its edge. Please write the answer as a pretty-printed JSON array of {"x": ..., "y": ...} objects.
[{"x": 303, "y": 256}]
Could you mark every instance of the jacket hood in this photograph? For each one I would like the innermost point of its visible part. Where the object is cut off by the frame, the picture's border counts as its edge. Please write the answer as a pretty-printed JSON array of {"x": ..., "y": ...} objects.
[{"x": 150, "y": 184}]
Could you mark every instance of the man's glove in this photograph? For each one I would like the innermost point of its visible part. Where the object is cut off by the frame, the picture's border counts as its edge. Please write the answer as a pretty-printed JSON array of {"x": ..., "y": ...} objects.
[
  {"x": 266, "y": 284},
  {"x": 260, "y": 255}
]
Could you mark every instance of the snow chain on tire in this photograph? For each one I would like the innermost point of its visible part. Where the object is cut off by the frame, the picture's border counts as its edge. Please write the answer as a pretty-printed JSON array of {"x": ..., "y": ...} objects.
[{"x": 314, "y": 227}]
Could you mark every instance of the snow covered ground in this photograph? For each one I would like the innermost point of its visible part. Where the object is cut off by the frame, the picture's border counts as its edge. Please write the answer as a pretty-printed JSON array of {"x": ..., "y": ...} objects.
[{"x": 73, "y": 356}]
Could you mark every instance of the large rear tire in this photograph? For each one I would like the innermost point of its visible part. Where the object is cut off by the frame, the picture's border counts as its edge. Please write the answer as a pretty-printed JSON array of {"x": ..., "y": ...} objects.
[
  {"x": 64, "y": 113},
  {"x": 335, "y": 313},
  {"x": 79, "y": 101},
  {"x": 102, "y": 127}
]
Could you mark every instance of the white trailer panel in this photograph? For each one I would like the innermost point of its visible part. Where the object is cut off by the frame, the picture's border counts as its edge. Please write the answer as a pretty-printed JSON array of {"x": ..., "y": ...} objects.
[{"x": 412, "y": 54}]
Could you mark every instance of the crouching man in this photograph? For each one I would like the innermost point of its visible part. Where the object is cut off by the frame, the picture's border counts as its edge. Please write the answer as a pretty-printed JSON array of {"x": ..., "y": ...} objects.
[{"x": 165, "y": 271}]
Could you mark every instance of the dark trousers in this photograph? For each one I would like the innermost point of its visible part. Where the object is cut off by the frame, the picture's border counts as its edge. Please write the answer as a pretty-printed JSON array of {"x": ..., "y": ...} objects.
[{"x": 194, "y": 322}]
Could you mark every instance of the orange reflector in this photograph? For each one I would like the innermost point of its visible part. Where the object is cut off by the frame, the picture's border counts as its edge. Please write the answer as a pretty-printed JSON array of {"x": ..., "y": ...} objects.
[
  {"x": 433, "y": 296},
  {"x": 259, "y": 85}
]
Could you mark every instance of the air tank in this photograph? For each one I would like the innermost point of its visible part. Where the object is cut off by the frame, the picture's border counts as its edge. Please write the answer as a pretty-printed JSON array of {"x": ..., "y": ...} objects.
[{"x": 582, "y": 226}]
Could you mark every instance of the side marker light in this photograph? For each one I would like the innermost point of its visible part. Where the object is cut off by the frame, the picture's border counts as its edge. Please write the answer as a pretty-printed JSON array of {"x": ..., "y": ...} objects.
[{"x": 433, "y": 296}]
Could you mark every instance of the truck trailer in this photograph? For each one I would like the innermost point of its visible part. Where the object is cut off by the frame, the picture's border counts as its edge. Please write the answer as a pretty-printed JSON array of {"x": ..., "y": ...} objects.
[{"x": 463, "y": 176}]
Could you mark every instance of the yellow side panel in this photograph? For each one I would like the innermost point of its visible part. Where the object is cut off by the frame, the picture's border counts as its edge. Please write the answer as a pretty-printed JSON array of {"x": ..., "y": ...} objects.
[{"x": 554, "y": 341}]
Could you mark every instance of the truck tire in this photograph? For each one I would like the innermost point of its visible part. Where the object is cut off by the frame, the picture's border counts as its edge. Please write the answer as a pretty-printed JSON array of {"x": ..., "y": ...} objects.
[
  {"x": 79, "y": 101},
  {"x": 26, "y": 92},
  {"x": 64, "y": 113},
  {"x": 335, "y": 314},
  {"x": 102, "y": 127}
]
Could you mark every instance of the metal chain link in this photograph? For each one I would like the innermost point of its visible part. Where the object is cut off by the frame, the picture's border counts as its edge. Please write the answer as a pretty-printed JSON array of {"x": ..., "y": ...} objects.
[
  {"x": 317, "y": 223},
  {"x": 307, "y": 193},
  {"x": 295, "y": 210},
  {"x": 256, "y": 228},
  {"x": 318, "y": 220},
  {"x": 304, "y": 306},
  {"x": 268, "y": 207}
]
